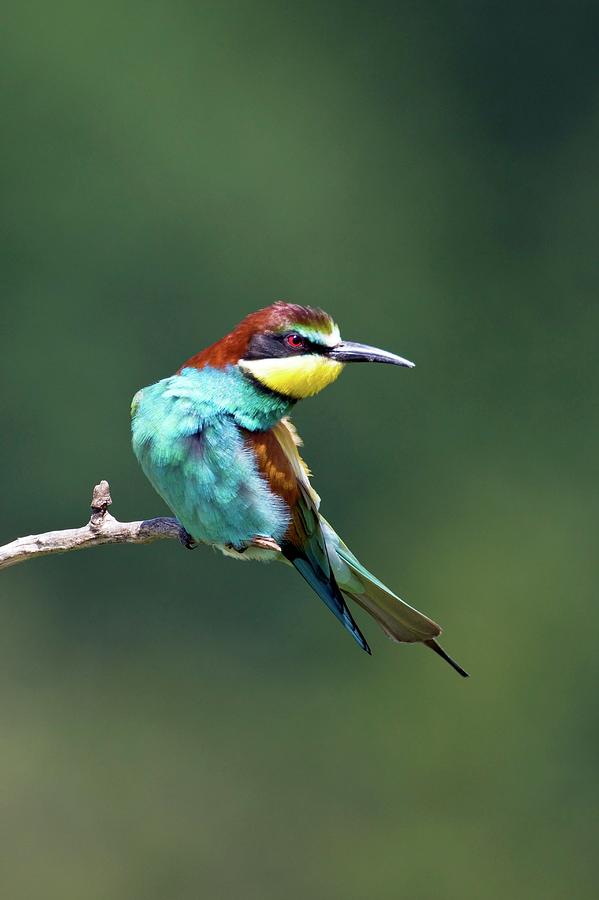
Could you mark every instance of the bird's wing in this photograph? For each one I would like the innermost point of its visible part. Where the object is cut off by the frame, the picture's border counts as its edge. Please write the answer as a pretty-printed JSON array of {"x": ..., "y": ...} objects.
[
  {"x": 399, "y": 620},
  {"x": 322, "y": 558},
  {"x": 304, "y": 544},
  {"x": 329, "y": 566}
]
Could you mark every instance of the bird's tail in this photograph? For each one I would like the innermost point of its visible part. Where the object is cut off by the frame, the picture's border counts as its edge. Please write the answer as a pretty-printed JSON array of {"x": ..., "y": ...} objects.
[{"x": 398, "y": 620}]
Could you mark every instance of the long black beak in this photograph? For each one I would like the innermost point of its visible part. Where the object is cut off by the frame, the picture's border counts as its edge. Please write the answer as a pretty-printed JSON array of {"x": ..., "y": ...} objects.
[{"x": 349, "y": 351}]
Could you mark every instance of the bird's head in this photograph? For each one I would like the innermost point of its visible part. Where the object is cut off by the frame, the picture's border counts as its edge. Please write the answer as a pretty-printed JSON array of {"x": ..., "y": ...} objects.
[{"x": 292, "y": 350}]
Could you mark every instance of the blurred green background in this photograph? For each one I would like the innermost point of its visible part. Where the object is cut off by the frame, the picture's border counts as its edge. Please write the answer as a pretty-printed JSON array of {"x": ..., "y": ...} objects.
[{"x": 175, "y": 725}]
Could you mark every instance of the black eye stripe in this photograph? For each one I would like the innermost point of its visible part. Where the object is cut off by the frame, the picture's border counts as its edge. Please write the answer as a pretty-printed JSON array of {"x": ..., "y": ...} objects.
[{"x": 274, "y": 346}]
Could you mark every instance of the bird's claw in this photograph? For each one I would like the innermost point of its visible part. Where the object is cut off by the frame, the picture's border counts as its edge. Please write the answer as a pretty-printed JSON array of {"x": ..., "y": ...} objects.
[
  {"x": 261, "y": 541},
  {"x": 265, "y": 543},
  {"x": 186, "y": 539}
]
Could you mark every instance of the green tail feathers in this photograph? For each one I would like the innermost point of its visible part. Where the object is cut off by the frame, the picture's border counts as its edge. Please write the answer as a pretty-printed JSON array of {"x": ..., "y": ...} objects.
[{"x": 400, "y": 621}]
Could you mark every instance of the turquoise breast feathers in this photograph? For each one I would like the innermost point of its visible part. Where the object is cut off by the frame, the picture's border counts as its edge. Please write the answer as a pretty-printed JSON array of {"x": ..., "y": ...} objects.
[{"x": 188, "y": 437}]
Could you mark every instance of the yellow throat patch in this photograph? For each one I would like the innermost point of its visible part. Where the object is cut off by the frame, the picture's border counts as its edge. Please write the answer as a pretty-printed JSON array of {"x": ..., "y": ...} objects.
[{"x": 297, "y": 377}]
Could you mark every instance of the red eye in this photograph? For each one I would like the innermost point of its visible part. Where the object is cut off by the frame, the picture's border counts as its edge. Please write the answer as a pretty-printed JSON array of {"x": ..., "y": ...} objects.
[{"x": 295, "y": 341}]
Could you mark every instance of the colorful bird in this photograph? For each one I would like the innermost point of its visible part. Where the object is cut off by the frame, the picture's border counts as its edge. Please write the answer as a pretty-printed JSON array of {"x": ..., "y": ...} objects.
[{"x": 216, "y": 443}]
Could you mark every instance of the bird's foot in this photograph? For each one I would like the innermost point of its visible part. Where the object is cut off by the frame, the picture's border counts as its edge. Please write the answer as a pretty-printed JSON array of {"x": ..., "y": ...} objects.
[
  {"x": 265, "y": 543},
  {"x": 186, "y": 539},
  {"x": 261, "y": 541}
]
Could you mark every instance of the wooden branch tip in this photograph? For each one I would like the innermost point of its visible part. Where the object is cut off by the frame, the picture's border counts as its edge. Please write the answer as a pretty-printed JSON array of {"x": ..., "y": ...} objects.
[{"x": 101, "y": 500}]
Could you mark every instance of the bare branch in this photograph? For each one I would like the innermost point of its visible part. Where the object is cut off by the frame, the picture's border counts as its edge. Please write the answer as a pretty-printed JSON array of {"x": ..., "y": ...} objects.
[{"x": 102, "y": 528}]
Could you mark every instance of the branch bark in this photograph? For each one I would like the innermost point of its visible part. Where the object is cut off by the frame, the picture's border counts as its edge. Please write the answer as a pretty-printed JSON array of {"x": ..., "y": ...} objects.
[{"x": 102, "y": 528}]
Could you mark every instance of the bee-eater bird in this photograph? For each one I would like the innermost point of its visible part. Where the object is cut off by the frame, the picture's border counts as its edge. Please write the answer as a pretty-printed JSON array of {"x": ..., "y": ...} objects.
[{"x": 216, "y": 443}]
